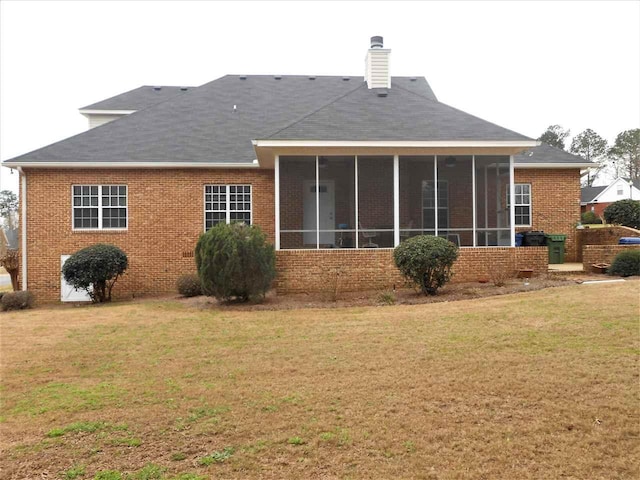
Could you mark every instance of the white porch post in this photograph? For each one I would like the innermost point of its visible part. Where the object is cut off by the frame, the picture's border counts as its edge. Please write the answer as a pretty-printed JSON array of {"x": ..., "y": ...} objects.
[
  {"x": 317, "y": 203},
  {"x": 396, "y": 200},
  {"x": 512, "y": 202},
  {"x": 473, "y": 202},
  {"x": 435, "y": 192},
  {"x": 277, "y": 200},
  {"x": 357, "y": 226}
]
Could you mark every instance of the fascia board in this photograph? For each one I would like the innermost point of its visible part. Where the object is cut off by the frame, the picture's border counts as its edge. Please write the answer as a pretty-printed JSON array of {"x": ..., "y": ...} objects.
[
  {"x": 266, "y": 143},
  {"x": 10, "y": 164}
]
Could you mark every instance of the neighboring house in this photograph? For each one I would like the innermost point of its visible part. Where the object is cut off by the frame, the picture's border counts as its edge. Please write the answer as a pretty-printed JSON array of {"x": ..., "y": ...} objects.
[
  {"x": 336, "y": 170},
  {"x": 596, "y": 199}
]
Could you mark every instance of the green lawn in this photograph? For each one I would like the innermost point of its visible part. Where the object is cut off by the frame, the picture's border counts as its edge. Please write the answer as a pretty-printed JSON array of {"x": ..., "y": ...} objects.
[{"x": 533, "y": 385}]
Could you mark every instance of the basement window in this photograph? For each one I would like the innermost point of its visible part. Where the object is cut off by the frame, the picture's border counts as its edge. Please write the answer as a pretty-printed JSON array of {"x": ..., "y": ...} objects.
[
  {"x": 100, "y": 207},
  {"x": 226, "y": 203}
]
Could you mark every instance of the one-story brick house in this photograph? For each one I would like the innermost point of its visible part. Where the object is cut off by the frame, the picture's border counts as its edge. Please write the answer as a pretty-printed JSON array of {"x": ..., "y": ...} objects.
[{"x": 336, "y": 170}]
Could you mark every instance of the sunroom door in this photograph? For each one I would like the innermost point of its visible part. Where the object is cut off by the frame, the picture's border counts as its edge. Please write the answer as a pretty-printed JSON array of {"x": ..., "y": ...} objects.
[{"x": 326, "y": 194}]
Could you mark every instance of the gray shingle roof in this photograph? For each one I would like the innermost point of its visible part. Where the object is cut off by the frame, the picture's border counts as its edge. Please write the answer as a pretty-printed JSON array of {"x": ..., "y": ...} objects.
[
  {"x": 201, "y": 125},
  {"x": 399, "y": 114},
  {"x": 138, "y": 98},
  {"x": 547, "y": 154},
  {"x": 587, "y": 194}
]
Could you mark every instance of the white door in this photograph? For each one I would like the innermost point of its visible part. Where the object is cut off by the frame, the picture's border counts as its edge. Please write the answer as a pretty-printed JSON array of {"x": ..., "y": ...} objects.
[
  {"x": 326, "y": 193},
  {"x": 67, "y": 292}
]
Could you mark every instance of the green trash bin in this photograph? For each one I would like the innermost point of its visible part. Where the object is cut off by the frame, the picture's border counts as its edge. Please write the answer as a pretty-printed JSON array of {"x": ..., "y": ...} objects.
[{"x": 555, "y": 243}]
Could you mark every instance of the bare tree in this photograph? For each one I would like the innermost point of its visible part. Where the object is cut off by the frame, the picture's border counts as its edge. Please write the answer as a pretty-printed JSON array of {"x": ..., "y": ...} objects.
[
  {"x": 593, "y": 148},
  {"x": 625, "y": 154},
  {"x": 555, "y": 136}
]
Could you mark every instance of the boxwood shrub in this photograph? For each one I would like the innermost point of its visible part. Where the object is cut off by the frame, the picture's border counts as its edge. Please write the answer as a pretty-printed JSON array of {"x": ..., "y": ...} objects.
[
  {"x": 426, "y": 261},
  {"x": 17, "y": 300},
  {"x": 95, "y": 269},
  {"x": 189, "y": 285},
  {"x": 590, "y": 218},
  {"x": 626, "y": 264}
]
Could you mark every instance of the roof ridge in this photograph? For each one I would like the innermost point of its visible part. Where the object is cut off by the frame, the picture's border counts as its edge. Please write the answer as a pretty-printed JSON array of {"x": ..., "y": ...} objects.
[
  {"x": 435, "y": 99},
  {"x": 316, "y": 111}
]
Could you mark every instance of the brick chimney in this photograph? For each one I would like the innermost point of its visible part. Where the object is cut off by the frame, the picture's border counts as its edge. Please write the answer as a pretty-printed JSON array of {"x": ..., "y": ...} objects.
[{"x": 377, "y": 73}]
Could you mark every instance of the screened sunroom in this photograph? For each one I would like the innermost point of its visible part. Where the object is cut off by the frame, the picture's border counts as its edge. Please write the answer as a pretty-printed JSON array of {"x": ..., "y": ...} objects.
[{"x": 377, "y": 201}]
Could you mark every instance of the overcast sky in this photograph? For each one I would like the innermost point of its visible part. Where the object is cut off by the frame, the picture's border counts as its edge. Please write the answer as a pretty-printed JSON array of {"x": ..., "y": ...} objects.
[{"x": 522, "y": 65}]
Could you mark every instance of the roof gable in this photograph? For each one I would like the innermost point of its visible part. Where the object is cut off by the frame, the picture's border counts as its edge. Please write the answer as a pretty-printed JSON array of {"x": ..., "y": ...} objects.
[{"x": 393, "y": 114}]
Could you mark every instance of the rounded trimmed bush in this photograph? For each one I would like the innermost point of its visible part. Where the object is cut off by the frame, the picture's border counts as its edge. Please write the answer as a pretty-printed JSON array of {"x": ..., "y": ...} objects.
[
  {"x": 623, "y": 212},
  {"x": 426, "y": 261},
  {"x": 626, "y": 264},
  {"x": 95, "y": 269},
  {"x": 590, "y": 218},
  {"x": 235, "y": 262},
  {"x": 17, "y": 300},
  {"x": 189, "y": 285}
]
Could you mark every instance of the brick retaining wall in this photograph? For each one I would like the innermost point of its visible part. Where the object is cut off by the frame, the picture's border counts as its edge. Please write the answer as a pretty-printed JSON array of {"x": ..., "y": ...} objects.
[
  {"x": 602, "y": 236},
  {"x": 602, "y": 254},
  {"x": 315, "y": 270}
]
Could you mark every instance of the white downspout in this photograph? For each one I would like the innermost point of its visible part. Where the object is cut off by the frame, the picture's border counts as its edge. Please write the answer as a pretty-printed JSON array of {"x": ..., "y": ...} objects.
[{"x": 23, "y": 220}]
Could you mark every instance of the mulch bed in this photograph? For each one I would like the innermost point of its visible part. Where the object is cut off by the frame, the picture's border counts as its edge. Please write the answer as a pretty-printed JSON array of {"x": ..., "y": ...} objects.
[{"x": 405, "y": 296}]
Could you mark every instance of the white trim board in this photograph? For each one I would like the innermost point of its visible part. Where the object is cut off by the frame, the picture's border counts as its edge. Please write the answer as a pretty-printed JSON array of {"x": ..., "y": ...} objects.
[
  {"x": 397, "y": 143},
  {"x": 11, "y": 164},
  {"x": 106, "y": 112}
]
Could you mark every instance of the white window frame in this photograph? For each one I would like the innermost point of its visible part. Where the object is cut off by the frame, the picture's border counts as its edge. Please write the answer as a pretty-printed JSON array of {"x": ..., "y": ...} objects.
[
  {"x": 435, "y": 202},
  {"x": 516, "y": 204},
  {"x": 227, "y": 211},
  {"x": 100, "y": 207}
]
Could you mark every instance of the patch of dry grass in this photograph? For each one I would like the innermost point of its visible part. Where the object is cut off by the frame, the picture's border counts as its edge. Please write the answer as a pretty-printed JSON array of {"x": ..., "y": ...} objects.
[{"x": 534, "y": 385}]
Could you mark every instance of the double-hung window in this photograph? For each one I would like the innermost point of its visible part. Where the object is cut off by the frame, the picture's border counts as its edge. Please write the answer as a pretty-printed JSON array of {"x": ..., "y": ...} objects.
[
  {"x": 429, "y": 204},
  {"x": 100, "y": 207},
  {"x": 226, "y": 204},
  {"x": 522, "y": 204}
]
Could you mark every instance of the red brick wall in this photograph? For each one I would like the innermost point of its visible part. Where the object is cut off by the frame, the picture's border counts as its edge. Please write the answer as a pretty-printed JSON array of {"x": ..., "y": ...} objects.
[
  {"x": 314, "y": 270},
  {"x": 597, "y": 208},
  {"x": 166, "y": 217},
  {"x": 555, "y": 203},
  {"x": 602, "y": 254}
]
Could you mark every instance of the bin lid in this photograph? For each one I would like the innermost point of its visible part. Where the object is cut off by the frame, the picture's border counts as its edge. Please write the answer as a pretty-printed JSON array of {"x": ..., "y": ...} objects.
[
  {"x": 629, "y": 241},
  {"x": 556, "y": 237}
]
